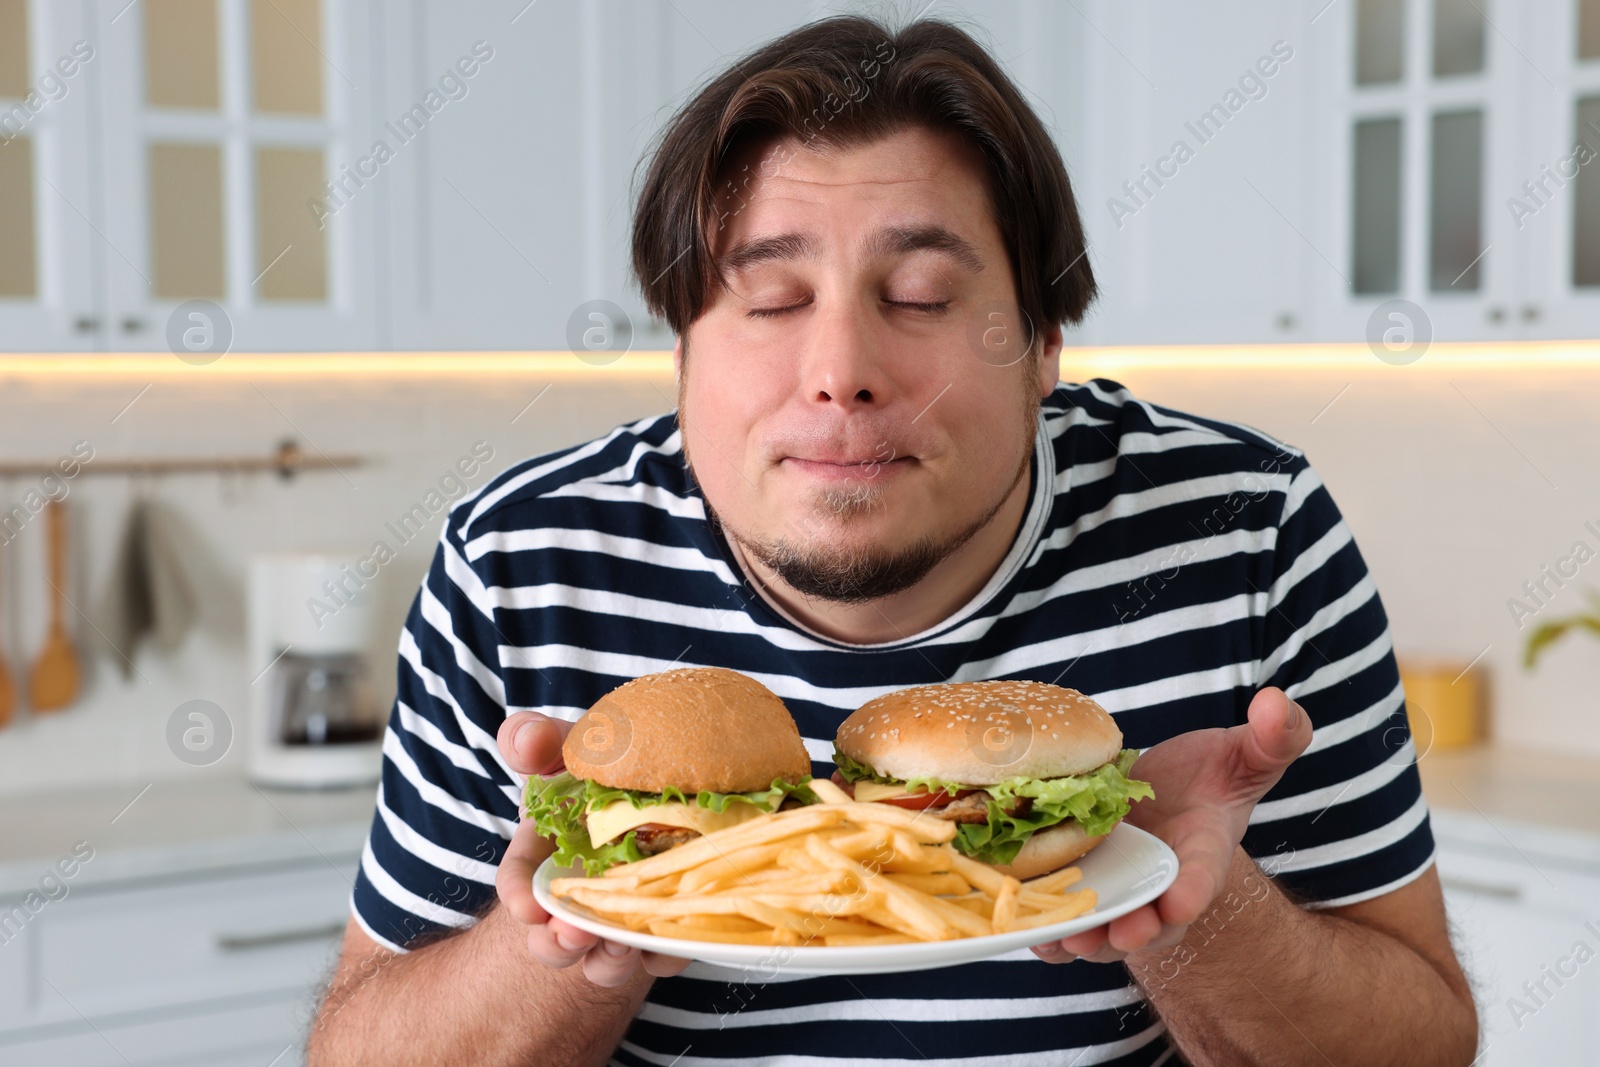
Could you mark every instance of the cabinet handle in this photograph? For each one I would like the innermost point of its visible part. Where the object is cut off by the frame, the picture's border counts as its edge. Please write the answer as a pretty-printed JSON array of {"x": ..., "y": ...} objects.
[
  {"x": 1483, "y": 889},
  {"x": 246, "y": 942}
]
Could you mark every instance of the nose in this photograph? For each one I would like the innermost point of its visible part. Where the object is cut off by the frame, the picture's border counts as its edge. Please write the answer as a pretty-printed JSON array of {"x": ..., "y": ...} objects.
[{"x": 841, "y": 363}]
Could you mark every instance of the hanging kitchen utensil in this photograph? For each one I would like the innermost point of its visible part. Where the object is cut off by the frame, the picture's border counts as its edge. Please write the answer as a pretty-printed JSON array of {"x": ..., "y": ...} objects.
[
  {"x": 8, "y": 695},
  {"x": 53, "y": 684}
]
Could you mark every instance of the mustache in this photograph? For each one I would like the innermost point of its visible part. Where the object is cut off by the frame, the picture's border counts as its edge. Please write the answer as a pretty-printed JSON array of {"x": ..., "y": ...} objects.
[{"x": 862, "y": 441}]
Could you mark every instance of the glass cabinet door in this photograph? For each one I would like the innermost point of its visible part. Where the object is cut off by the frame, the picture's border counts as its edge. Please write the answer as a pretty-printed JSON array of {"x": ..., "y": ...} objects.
[
  {"x": 1430, "y": 124},
  {"x": 225, "y": 123},
  {"x": 1554, "y": 198},
  {"x": 48, "y": 72}
]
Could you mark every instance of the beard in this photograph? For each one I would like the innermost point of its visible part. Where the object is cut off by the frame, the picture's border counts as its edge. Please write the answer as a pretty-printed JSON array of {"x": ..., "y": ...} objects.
[
  {"x": 815, "y": 561},
  {"x": 818, "y": 568}
]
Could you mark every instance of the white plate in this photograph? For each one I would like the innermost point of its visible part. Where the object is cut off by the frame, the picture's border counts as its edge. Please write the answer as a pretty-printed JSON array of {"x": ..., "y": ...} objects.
[{"x": 1129, "y": 869}]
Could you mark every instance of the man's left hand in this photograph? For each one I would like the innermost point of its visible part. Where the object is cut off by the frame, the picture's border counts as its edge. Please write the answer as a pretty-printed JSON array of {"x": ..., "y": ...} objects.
[{"x": 1206, "y": 783}]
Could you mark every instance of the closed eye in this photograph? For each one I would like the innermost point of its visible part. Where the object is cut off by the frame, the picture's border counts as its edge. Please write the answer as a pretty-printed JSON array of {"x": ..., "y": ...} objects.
[
  {"x": 933, "y": 307},
  {"x": 772, "y": 313}
]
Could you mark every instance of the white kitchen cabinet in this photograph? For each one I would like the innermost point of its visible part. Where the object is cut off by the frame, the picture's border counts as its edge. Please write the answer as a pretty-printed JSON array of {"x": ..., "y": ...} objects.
[
  {"x": 165, "y": 152},
  {"x": 195, "y": 968},
  {"x": 196, "y": 925},
  {"x": 1528, "y": 932}
]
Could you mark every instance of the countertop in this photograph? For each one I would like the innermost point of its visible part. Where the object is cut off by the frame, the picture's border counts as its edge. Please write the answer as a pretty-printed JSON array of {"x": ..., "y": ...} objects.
[
  {"x": 173, "y": 828},
  {"x": 1496, "y": 796}
]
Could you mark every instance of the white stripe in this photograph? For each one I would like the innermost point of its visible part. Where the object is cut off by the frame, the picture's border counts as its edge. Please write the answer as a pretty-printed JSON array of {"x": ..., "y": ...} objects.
[
  {"x": 432, "y": 794},
  {"x": 1369, "y": 894},
  {"x": 895, "y": 1009},
  {"x": 1310, "y": 560},
  {"x": 436, "y": 615},
  {"x": 1302, "y": 486},
  {"x": 405, "y": 899},
  {"x": 430, "y": 853},
  {"x": 1360, "y": 845},
  {"x": 1339, "y": 670},
  {"x": 1325, "y": 797},
  {"x": 428, "y": 733},
  {"x": 434, "y": 685},
  {"x": 490, "y": 498},
  {"x": 1137, "y": 502},
  {"x": 1065, "y": 1057},
  {"x": 383, "y": 942},
  {"x": 689, "y": 508},
  {"x": 1337, "y": 733},
  {"x": 461, "y": 575},
  {"x": 614, "y": 545},
  {"x": 539, "y": 470},
  {"x": 1324, "y": 619}
]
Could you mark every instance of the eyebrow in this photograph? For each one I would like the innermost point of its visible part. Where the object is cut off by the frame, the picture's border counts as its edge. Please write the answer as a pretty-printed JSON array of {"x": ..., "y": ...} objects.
[{"x": 889, "y": 241}]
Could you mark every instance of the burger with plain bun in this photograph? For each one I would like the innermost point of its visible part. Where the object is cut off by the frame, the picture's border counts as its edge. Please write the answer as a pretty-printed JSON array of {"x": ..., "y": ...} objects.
[
  {"x": 1033, "y": 775},
  {"x": 665, "y": 758}
]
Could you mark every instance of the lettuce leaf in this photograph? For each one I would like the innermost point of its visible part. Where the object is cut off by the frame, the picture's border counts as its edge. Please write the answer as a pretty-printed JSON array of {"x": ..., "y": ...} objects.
[
  {"x": 555, "y": 805},
  {"x": 1098, "y": 800}
]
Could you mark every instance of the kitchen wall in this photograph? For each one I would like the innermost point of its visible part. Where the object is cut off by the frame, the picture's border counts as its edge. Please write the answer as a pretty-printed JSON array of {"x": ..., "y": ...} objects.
[{"x": 1461, "y": 474}]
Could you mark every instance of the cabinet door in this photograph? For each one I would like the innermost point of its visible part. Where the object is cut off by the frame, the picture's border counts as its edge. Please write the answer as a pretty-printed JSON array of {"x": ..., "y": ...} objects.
[
  {"x": 231, "y": 148},
  {"x": 49, "y": 246},
  {"x": 1529, "y": 939},
  {"x": 1552, "y": 203}
]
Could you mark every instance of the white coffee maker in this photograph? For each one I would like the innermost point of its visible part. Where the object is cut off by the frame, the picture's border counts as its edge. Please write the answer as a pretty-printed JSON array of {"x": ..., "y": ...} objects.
[{"x": 313, "y": 716}]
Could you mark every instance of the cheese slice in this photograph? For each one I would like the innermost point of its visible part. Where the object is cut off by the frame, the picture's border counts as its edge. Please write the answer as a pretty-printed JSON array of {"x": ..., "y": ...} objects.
[
  {"x": 869, "y": 791},
  {"x": 620, "y": 816}
]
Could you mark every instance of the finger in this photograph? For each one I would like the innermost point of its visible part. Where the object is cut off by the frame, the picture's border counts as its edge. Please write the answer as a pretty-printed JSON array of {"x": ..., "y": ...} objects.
[
  {"x": 663, "y": 966},
  {"x": 513, "y": 880},
  {"x": 1053, "y": 952},
  {"x": 530, "y": 743},
  {"x": 559, "y": 944},
  {"x": 1134, "y": 931},
  {"x": 1203, "y": 860},
  {"x": 1087, "y": 943},
  {"x": 1278, "y": 732},
  {"x": 611, "y": 964}
]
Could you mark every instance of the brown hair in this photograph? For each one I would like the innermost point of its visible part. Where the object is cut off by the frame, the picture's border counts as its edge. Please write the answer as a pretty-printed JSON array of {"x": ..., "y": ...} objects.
[{"x": 850, "y": 80}]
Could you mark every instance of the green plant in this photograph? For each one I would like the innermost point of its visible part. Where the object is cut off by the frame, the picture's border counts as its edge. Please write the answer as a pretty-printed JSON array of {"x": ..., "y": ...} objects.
[{"x": 1548, "y": 633}]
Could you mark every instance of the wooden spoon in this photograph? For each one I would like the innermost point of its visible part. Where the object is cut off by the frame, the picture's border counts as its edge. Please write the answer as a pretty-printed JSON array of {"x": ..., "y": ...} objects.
[
  {"x": 8, "y": 696},
  {"x": 54, "y": 683}
]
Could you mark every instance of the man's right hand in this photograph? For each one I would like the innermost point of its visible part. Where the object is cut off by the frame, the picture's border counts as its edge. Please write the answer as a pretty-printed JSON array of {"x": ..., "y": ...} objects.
[{"x": 531, "y": 744}]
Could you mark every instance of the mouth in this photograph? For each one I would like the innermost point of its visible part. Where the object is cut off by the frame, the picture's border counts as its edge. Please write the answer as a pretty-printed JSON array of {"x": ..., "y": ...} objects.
[{"x": 845, "y": 468}]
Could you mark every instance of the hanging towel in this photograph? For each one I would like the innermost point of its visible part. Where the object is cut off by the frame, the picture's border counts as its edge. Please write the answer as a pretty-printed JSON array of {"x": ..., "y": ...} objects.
[{"x": 147, "y": 596}]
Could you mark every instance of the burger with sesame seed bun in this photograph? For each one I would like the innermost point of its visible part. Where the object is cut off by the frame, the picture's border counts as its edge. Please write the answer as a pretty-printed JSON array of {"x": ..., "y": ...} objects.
[{"x": 1033, "y": 775}]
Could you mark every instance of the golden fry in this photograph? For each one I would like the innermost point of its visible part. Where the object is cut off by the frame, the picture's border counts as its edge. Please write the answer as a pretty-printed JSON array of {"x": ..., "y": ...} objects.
[
  {"x": 837, "y": 873},
  {"x": 932, "y": 884},
  {"x": 1005, "y": 904},
  {"x": 1055, "y": 881},
  {"x": 1084, "y": 902},
  {"x": 668, "y": 928}
]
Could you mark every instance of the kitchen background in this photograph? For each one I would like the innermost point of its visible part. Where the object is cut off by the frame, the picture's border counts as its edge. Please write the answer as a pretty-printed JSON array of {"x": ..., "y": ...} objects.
[{"x": 405, "y": 222}]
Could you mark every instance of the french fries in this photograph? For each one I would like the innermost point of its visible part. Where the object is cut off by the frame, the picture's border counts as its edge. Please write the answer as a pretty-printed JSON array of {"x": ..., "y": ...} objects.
[{"x": 830, "y": 874}]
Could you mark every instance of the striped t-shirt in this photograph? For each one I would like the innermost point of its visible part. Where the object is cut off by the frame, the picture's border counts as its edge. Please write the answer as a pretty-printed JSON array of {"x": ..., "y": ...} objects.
[{"x": 1168, "y": 565}]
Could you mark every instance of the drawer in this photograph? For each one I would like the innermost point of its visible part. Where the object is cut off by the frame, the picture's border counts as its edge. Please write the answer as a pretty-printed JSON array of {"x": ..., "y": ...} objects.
[
  {"x": 187, "y": 942},
  {"x": 244, "y": 1036}
]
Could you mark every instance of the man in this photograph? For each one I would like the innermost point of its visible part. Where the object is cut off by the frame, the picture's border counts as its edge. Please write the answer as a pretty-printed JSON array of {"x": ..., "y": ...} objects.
[{"x": 867, "y": 245}]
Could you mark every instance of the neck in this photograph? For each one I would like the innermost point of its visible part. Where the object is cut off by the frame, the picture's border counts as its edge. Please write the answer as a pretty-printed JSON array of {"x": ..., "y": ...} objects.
[{"x": 952, "y": 582}]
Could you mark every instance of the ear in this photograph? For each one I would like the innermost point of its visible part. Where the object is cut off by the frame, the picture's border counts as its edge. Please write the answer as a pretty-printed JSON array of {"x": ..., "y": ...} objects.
[
  {"x": 1050, "y": 360},
  {"x": 677, "y": 361}
]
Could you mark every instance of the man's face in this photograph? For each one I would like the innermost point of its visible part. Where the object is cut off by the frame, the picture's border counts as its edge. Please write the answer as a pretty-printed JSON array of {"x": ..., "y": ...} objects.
[{"x": 856, "y": 403}]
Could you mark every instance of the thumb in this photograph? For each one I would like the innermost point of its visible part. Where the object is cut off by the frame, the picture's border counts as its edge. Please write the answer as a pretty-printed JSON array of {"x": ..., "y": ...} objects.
[
  {"x": 1277, "y": 732},
  {"x": 530, "y": 742}
]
